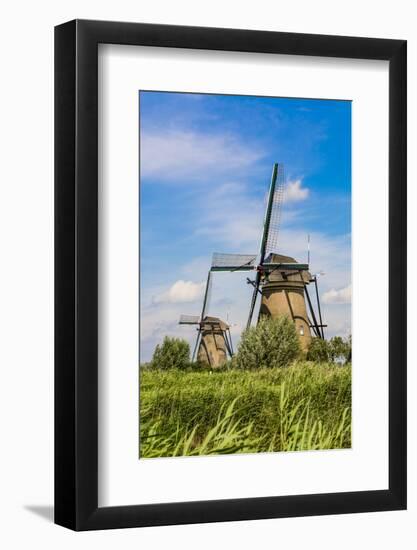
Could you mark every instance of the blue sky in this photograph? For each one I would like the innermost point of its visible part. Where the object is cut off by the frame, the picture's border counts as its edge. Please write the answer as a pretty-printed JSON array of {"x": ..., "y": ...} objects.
[{"x": 205, "y": 167}]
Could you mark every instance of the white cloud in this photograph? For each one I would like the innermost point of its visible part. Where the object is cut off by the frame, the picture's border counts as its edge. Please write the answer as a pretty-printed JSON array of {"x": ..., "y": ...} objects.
[
  {"x": 175, "y": 156},
  {"x": 338, "y": 320},
  {"x": 341, "y": 296},
  {"x": 231, "y": 218},
  {"x": 294, "y": 191},
  {"x": 180, "y": 292},
  {"x": 160, "y": 321}
]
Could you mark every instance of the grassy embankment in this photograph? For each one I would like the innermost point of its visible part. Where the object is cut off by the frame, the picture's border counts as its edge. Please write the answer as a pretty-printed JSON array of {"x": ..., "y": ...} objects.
[{"x": 303, "y": 407}]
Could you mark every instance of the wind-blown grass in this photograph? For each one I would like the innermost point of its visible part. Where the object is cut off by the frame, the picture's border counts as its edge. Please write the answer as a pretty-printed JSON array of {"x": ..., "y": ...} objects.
[{"x": 303, "y": 407}]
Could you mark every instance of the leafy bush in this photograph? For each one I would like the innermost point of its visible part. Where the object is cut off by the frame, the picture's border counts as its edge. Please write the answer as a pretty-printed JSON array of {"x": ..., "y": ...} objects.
[
  {"x": 340, "y": 350},
  {"x": 348, "y": 349},
  {"x": 272, "y": 343},
  {"x": 173, "y": 353},
  {"x": 330, "y": 351},
  {"x": 319, "y": 351}
]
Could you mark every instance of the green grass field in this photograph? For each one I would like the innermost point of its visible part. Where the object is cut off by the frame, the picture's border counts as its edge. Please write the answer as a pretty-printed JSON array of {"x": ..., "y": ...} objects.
[{"x": 303, "y": 407}]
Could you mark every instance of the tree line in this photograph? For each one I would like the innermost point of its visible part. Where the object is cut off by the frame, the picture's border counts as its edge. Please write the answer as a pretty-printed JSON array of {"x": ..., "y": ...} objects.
[{"x": 272, "y": 343}]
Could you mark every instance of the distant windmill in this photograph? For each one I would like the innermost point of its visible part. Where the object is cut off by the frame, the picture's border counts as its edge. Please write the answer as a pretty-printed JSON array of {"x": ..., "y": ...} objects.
[
  {"x": 280, "y": 280},
  {"x": 214, "y": 342}
]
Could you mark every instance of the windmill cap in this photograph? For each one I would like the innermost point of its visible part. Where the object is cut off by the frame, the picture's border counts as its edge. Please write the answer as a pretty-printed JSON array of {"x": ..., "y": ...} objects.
[
  {"x": 280, "y": 259},
  {"x": 289, "y": 271},
  {"x": 215, "y": 321}
]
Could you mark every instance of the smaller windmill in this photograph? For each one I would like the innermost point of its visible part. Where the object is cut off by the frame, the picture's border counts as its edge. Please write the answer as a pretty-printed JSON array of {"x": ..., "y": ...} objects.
[{"x": 214, "y": 342}]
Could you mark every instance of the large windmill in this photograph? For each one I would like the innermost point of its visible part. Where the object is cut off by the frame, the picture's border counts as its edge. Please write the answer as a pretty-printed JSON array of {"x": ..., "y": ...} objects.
[
  {"x": 280, "y": 280},
  {"x": 213, "y": 343}
]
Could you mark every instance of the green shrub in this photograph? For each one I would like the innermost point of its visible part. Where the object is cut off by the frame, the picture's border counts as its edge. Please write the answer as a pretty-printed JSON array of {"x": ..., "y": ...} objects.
[
  {"x": 173, "y": 353},
  {"x": 330, "y": 351},
  {"x": 348, "y": 349},
  {"x": 272, "y": 343},
  {"x": 319, "y": 350},
  {"x": 340, "y": 350}
]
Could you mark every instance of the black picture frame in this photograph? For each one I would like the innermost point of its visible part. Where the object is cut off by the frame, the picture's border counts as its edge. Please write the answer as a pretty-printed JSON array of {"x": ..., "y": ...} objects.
[{"x": 76, "y": 272}]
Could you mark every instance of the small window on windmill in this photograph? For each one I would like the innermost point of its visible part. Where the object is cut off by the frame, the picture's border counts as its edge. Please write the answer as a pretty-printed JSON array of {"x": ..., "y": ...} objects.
[{"x": 301, "y": 330}]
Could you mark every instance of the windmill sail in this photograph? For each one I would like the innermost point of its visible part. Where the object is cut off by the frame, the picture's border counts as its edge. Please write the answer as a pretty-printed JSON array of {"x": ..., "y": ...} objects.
[
  {"x": 254, "y": 296},
  {"x": 269, "y": 242},
  {"x": 206, "y": 296},
  {"x": 197, "y": 344},
  {"x": 189, "y": 319},
  {"x": 198, "y": 320},
  {"x": 195, "y": 319},
  {"x": 233, "y": 262}
]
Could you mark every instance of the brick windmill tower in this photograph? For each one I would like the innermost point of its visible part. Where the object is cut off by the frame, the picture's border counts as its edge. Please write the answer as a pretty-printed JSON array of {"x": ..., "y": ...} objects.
[
  {"x": 280, "y": 280},
  {"x": 283, "y": 293}
]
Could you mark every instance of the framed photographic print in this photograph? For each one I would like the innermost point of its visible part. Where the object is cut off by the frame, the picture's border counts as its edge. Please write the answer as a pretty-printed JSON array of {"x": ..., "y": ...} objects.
[{"x": 230, "y": 252}]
